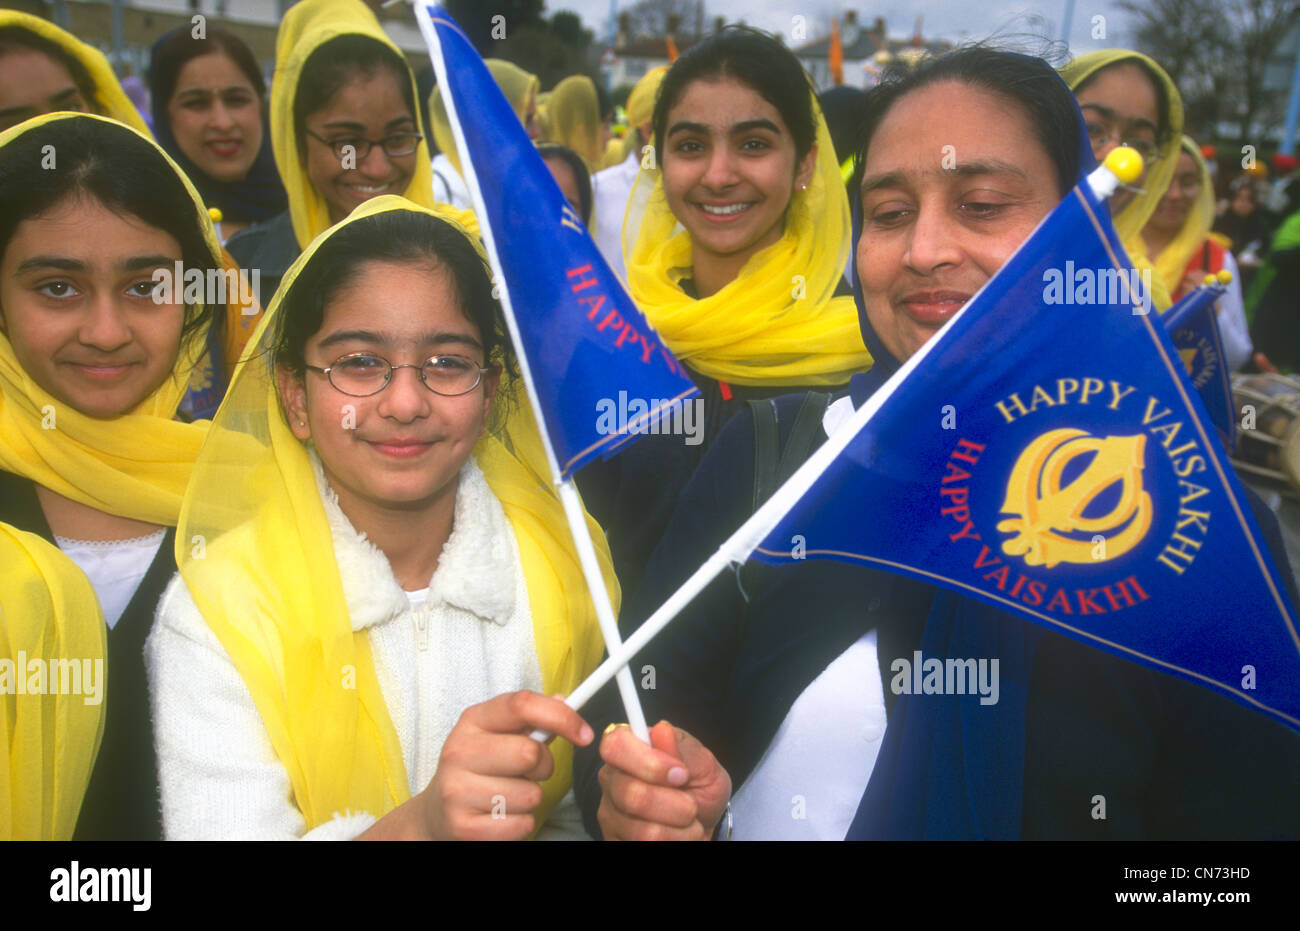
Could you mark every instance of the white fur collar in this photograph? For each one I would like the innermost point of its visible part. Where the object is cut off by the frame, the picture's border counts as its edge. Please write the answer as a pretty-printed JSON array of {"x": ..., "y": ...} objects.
[{"x": 476, "y": 571}]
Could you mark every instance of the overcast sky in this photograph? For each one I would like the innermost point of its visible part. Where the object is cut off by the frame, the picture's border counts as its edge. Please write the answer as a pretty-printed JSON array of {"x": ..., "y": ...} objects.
[{"x": 944, "y": 19}]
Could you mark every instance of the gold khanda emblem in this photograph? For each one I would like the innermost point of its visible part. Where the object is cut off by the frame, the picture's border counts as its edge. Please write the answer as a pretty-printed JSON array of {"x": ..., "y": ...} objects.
[{"x": 1045, "y": 510}]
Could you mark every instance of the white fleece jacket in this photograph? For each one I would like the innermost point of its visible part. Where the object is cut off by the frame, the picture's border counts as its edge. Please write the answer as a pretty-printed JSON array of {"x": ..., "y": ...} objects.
[{"x": 472, "y": 639}]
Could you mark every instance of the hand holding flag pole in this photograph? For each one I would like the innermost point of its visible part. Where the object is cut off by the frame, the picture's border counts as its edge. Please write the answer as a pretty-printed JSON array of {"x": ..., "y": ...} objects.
[{"x": 575, "y": 331}]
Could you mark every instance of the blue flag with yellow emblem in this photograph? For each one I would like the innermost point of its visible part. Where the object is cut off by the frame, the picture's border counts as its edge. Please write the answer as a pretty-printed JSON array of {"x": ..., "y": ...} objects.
[
  {"x": 1194, "y": 328},
  {"x": 1046, "y": 452},
  {"x": 595, "y": 368}
]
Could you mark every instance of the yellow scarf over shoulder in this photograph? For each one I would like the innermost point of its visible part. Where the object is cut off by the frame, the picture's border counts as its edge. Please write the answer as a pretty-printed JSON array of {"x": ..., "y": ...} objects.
[
  {"x": 1130, "y": 221},
  {"x": 136, "y": 465},
  {"x": 306, "y": 27},
  {"x": 48, "y": 743},
  {"x": 109, "y": 98},
  {"x": 268, "y": 585},
  {"x": 779, "y": 322}
]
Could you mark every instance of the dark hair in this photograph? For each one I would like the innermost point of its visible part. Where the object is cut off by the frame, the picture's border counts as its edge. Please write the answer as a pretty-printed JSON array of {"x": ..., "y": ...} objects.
[
  {"x": 112, "y": 164},
  {"x": 1028, "y": 81},
  {"x": 179, "y": 47},
  {"x": 842, "y": 108},
  {"x": 18, "y": 37},
  {"x": 1163, "y": 130},
  {"x": 391, "y": 236},
  {"x": 551, "y": 150},
  {"x": 754, "y": 58},
  {"x": 336, "y": 63}
]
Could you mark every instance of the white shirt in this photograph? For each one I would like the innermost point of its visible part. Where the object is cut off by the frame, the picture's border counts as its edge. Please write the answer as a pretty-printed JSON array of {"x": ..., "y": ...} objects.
[
  {"x": 448, "y": 186},
  {"x": 115, "y": 568},
  {"x": 810, "y": 781},
  {"x": 464, "y": 640},
  {"x": 1232, "y": 319},
  {"x": 610, "y": 190}
]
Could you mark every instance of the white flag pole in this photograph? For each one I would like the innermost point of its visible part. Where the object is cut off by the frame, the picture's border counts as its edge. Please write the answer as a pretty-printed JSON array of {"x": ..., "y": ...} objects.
[
  {"x": 1103, "y": 181},
  {"x": 573, "y": 510}
]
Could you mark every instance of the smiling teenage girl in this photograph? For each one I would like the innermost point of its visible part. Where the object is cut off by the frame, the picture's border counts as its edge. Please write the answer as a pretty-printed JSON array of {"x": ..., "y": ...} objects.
[
  {"x": 736, "y": 245},
  {"x": 93, "y": 365}
]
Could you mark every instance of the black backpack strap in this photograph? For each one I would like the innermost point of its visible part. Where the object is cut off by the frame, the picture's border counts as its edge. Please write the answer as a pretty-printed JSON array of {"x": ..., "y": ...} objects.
[
  {"x": 767, "y": 450},
  {"x": 774, "y": 464}
]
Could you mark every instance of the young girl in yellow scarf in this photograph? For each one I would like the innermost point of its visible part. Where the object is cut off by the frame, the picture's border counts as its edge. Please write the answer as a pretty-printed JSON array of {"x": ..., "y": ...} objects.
[
  {"x": 95, "y": 356},
  {"x": 736, "y": 245},
  {"x": 343, "y": 128},
  {"x": 1177, "y": 237},
  {"x": 385, "y": 581},
  {"x": 1127, "y": 98},
  {"x": 44, "y": 69}
]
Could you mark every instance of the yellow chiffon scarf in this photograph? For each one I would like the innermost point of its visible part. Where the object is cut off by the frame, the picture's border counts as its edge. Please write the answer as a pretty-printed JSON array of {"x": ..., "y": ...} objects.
[
  {"x": 779, "y": 322},
  {"x": 306, "y": 27},
  {"x": 267, "y": 583},
  {"x": 136, "y": 465},
  {"x": 1172, "y": 260},
  {"x": 574, "y": 119},
  {"x": 1130, "y": 221},
  {"x": 48, "y": 743},
  {"x": 518, "y": 86},
  {"x": 640, "y": 110},
  {"x": 110, "y": 100}
]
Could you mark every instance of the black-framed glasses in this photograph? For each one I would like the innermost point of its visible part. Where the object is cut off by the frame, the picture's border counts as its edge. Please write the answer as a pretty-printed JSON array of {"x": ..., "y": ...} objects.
[
  {"x": 394, "y": 146},
  {"x": 361, "y": 374}
]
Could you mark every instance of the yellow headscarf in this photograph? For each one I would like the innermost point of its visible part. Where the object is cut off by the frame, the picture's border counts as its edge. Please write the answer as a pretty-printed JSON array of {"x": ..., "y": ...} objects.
[
  {"x": 641, "y": 102},
  {"x": 48, "y": 743},
  {"x": 544, "y": 116},
  {"x": 779, "y": 322},
  {"x": 136, "y": 465},
  {"x": 1173, "y": 259},
  {"x": 268, "y": 585},
  {"x": 640, "y": 110},
  {"x": 110, "y": 100},
  {"x": 1130, "y": 221},
  {"x": 306, "y": 27},
  {"x": 517, "y": 85},
  {"x": 574, "y": 113}
]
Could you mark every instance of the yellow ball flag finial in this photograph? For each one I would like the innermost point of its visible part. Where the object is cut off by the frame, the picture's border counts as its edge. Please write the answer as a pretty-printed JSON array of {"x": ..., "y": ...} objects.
[
  {"x": 1210, "y": 279},
  {"x": 1224, "y": 276},
  {"x": 1124, "y": 163},
  {"x": 214, "y": 213}
]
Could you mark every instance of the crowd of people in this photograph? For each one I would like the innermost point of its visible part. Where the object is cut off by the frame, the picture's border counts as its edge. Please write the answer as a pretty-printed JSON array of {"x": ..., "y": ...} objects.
[{"x": 332, "y": 599}]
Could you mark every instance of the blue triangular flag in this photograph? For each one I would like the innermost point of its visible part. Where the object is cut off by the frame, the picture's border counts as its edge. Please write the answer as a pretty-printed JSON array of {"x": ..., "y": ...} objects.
[
  {"x": 1045, "y": 453},
  {"x": 1194, "y": 328},
  {"x": 584, "y": 347}
]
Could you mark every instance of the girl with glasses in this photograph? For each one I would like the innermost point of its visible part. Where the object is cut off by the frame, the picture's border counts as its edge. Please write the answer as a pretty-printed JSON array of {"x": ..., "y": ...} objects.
[
  {"x": 1177, "y": 237},
  {"x": 343, "y": 128},
  {"x": 1126, "y": 98},
  {"x": 388, "y": 589}
]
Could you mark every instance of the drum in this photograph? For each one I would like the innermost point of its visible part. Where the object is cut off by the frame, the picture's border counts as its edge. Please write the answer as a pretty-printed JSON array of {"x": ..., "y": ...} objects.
[{"x": 1268, "y": 430}]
